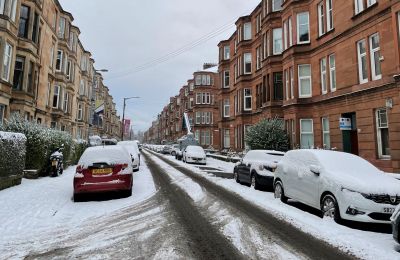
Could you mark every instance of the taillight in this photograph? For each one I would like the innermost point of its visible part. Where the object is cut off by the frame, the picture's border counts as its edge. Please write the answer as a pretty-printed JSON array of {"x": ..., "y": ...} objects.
[
  {"x": 123, "y": 169},
  {"x": 79, "y": 172},
  {"x": 124, "y": 166},
  {"x": 79, "y": 169}
]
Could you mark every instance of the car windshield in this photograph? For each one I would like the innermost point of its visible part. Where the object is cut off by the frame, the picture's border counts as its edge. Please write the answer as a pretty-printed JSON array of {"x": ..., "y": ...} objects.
[{"x": 195, "y": 149}]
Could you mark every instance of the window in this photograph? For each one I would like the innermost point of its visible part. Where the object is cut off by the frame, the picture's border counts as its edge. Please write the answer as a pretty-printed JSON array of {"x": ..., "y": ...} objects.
[
  {"x": 287, "y": 82},
  {"x": 332, "y": 72},
  {"x": 375, "y": 57},
  {"x": 59, "y": 61},
  {"x": 7, "y": 62},
  {"x": 226, "y": 78},
  {"x": 306, "y": 134},
  {"x": 277, "y": 39},
  {"x": 226, "y": 108},
  {"x": 56, "y": 96},
  {"x": 24, "y": 21},
  {"x": 326, "y": 138},
  {"x": 48, "y": 92},
  {"x": 276, "y": 5},
  {"x": 52, "y": 56},
  {"x": 329, "y": 15},
  {"x": 291, "y": 81},
  {"x": 69, "y": 69},
  {"x": 382, "y": 124},
  {"x": 198, "y": 117},
  {"x": 61, "y": 27},
  {"x": 2, "y": 3},
  {"x": 227, "y": 138},
  {"x": 370, "y": 2},
  {"x": 191, "y": 102},
  {"x": 247, "y": 63},
  {"x": 66, "y": 102},
  {"x": 227, "y": 52},
  {"x": 31, "y": 80},
  {"x": 290, "y": 31},
  {"x": 285, "y": 35},
  {"x": 247, "y": 31},
  {"x": 35, "y": 29},
  {"x": 13, "y": 10},
  {"x": 247, "y": 99},
  {"x": 19, "y": 73},
  {"x": 278, "y": 86},
  {"x": 362, "y": 61},
  {"x": 323, "y": 76},
  {"x": 359, "y": 6},
  {"x": 258, "y": 58},
  {"x": 2, "y": 112},
  {"x": 80, "y": 111},
  {"x": 321, "y": 19},
  {"x": 303, "y": 28},
  {"x": 197, "y": 135},
  {"x": 305, "y": 81}
]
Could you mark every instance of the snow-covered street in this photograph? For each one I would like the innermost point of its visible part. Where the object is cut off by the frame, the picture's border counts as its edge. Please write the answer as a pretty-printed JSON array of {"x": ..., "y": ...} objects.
[{"x": 177, "y": 211}]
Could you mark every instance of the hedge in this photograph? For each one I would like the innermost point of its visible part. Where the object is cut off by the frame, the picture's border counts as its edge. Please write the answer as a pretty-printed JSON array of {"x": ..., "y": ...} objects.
[
  {"x": 12, "y": 159},
  {"x": 41, "y": 143}
]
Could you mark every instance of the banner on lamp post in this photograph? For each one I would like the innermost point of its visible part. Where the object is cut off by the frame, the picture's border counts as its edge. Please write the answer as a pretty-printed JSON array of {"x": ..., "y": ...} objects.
[{"x": 127, "y": 125}]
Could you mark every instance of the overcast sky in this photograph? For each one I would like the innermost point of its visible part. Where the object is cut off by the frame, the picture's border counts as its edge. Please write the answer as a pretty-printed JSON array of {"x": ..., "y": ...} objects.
[{"x": 123, "y": 35}]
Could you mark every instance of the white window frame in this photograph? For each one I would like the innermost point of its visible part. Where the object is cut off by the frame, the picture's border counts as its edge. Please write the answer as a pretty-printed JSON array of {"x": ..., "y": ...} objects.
[
  {"x": 227, "y": 138},
  {"x": 325, "y": 132},
  {"x": 307, "y": 133},
  {"x": 226, "y": 110},
  {"x": 247, "y": 59},
  {"x": 321, "y": 18},
  {"x": 324, "y": 81},
  {"x": 329, "y": 15},
  {"x": 13, "y": 9},
  {"x": 80, "y": 111},
  {"x": 2, "y": 6},
  {"x": 287, "y": 82},
  {"x": 332, "y": 72},
  {"x": 302, "y": 95},
  {"x": 291, "y": 74},
  {"x": 277, "y": 39},
  {"x": 360, "y": 57},
  {"x": 226, "y": 74},
  {"x": 290, "y": 31},
  {"x": 58, "y": 96},
  {"x": 358, "y": 6},
  {"x": 371, "y": 2},
  {"x": 247, "y": 96},
  {"x": 61, "y": 60},
  {"x": 372, "y": 51},
  {"x": 298, "y": 27},
  {"x": 247, "y": 31},
  {"x": 379, "y": 126},
  {"x": 276, "y": 5},
  {"x": 227, "y": 52},
  {"x": 285, "y": 35},
  {"x": 8, "y": 53},
  {"x": 66, "y": 102}
]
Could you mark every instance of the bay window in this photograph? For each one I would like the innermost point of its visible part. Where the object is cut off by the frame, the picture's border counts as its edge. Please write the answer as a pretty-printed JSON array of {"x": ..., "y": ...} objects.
[
  {"x": 59, "y": 60},
  {"x": 56, "y": 96},
  {"x": 19, "y": 67},
  {"x": 305, "y": 89},
  {"x": 247, "y": 31},
  {"x": 247, "y": 63},
  {"x": 277, "y": 40},
  {"x": 303, "y": 28},
  {"x": 226, "y": 108},
  {"x": 276, "y": 5},
  {"x": 8, "y": 51},
  {"x": 306, "y": 134},
  {"x": 247, "y": 99},
  {"x": 226, "y": 78}
]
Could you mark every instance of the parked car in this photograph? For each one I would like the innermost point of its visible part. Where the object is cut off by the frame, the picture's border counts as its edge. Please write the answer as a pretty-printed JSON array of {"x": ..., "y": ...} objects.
[
  {"x": 166, "y": 149},
  {"x": 175, "y": 149},
  {"x": 103, "y": 168},
  {"x": 396, "y": 224},
  {"x": 257, "y": 168},
  {"x": 194, "y": 154},
  {"x": 109, "y": 141},
  {"x": 133, "y": 150},
  {"x": 341, "y": 185}
]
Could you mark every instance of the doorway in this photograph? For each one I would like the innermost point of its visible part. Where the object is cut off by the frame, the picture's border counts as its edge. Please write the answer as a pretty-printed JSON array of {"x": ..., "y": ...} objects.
[{"x": 350, "y": 137}]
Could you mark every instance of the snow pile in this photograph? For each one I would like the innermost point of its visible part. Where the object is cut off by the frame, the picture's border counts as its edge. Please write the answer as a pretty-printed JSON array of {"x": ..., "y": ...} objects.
[{"x": 12, "y": 159}]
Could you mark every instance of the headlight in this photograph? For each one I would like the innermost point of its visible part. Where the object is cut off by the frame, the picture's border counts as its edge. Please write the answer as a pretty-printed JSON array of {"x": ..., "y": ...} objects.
[{"x": 261, "y": 167}]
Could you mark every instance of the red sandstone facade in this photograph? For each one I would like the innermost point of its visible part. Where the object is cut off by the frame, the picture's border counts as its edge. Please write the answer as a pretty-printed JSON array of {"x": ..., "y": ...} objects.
[{"x": 314, "y": 63}]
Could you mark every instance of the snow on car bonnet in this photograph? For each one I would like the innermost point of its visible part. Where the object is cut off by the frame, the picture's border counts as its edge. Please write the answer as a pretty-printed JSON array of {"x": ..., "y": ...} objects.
[{"x": 107, "y": 154}]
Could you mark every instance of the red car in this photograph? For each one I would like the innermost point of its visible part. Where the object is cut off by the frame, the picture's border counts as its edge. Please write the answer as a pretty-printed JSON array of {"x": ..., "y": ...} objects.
[{"x": 103, "y": 168}]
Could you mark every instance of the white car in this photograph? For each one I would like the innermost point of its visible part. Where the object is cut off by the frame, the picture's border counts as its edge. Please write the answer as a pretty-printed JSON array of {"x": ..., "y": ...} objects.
[
  {"x": 341, "y": 185},
  {"x": 257, "y": 168},
  {"x": 132, "y": 148},
  {"x": 194, "y": 154}
]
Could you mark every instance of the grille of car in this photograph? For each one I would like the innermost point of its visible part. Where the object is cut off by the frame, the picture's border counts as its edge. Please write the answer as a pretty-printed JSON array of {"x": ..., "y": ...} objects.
[
  {"x": 383, "y": 199},
  {"x": 380, "y": 216}
]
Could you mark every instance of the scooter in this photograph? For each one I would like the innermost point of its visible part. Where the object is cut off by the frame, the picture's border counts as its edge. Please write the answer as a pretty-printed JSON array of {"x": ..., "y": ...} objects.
[{"x": 56, "y": 160}]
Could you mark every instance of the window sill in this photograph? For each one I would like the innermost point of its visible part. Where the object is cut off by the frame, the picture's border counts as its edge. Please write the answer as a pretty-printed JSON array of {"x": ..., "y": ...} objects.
[
  {"x": 355, "y": 16},
  {"x": 325, "y": 34}
]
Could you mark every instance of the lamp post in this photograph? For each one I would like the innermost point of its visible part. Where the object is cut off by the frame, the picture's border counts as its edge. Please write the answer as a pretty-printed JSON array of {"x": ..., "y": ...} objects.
[
  {"x": 123, "y": 118},
  {"x": 92, "y": 100}
]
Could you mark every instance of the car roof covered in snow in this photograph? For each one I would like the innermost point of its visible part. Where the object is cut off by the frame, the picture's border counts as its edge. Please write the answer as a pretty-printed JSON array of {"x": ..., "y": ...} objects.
[{"x": 105, "y": 154}]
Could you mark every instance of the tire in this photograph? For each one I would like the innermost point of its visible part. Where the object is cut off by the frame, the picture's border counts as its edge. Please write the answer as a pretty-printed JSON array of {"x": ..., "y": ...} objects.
[
  {"x": 236, "y": 177},
  {"x": 173, "y": 153},
  {"x": 254, "y": 182},
  {"x": 78, "y": 197},
  {"x": 330, "y": 207},
  {"x": 128, "y": 193},
  {"x": 279, "y": 192}
]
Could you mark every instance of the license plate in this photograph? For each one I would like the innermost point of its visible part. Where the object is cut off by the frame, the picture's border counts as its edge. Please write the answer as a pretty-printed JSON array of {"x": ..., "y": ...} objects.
[
  {"x": 388, "y": 210},
  {"x": 54, "y": 163},
  {"x": 101, "y": 171}
]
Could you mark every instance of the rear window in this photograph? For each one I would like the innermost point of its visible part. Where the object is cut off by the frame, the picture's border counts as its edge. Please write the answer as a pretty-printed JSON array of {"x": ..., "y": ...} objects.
[{"x": 110, "y": 155}]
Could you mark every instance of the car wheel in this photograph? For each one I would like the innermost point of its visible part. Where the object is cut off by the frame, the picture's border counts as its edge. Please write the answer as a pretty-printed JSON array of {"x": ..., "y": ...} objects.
[
  {"x": 77, "y": 197},
  {"x": 173, "y": 153},
  {"x": 330, "y": 207},
  {"x": 236, "y": 176},
  {"x": 254, "y": 183},
  {"x": 279, "y": 192}
]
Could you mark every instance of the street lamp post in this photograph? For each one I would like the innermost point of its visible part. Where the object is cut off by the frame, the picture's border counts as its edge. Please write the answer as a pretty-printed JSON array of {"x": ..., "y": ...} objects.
[{"x": 123, "y": 118}]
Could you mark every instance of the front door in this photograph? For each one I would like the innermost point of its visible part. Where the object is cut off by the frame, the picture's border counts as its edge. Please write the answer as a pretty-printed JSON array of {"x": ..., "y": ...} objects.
[{"x": 350, "y": 137}]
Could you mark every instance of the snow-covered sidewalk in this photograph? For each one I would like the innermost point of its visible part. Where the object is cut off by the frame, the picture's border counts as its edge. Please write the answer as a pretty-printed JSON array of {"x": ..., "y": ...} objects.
[
  {"x": 32, "y": 210},
  {"x": 363, "y": 244}
]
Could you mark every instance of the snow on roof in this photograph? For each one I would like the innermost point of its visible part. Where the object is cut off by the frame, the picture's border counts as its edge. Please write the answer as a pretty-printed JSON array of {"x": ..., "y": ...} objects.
[
  {"x": 212, "y": 69},
  {"x": 111, "y": 154}
]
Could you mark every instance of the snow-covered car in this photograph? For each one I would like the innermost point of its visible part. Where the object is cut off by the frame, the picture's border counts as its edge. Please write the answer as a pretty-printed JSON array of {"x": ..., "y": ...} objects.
[
  {"x": 103, "y": 168},
  {"x": 166, "y": 149},
  {"x": 257, "y": 168},
  {"x": 396, "y": 224},
  {"x": 175, "y": 149},
  {"x": 341, "y": 185},
  {"x": 133, "y": 150},
  {"x": 194, "y": 154}
]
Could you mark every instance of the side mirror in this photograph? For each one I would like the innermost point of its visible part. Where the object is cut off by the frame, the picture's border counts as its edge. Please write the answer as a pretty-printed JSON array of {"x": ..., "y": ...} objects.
[{"x": 315, "y": 169}]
